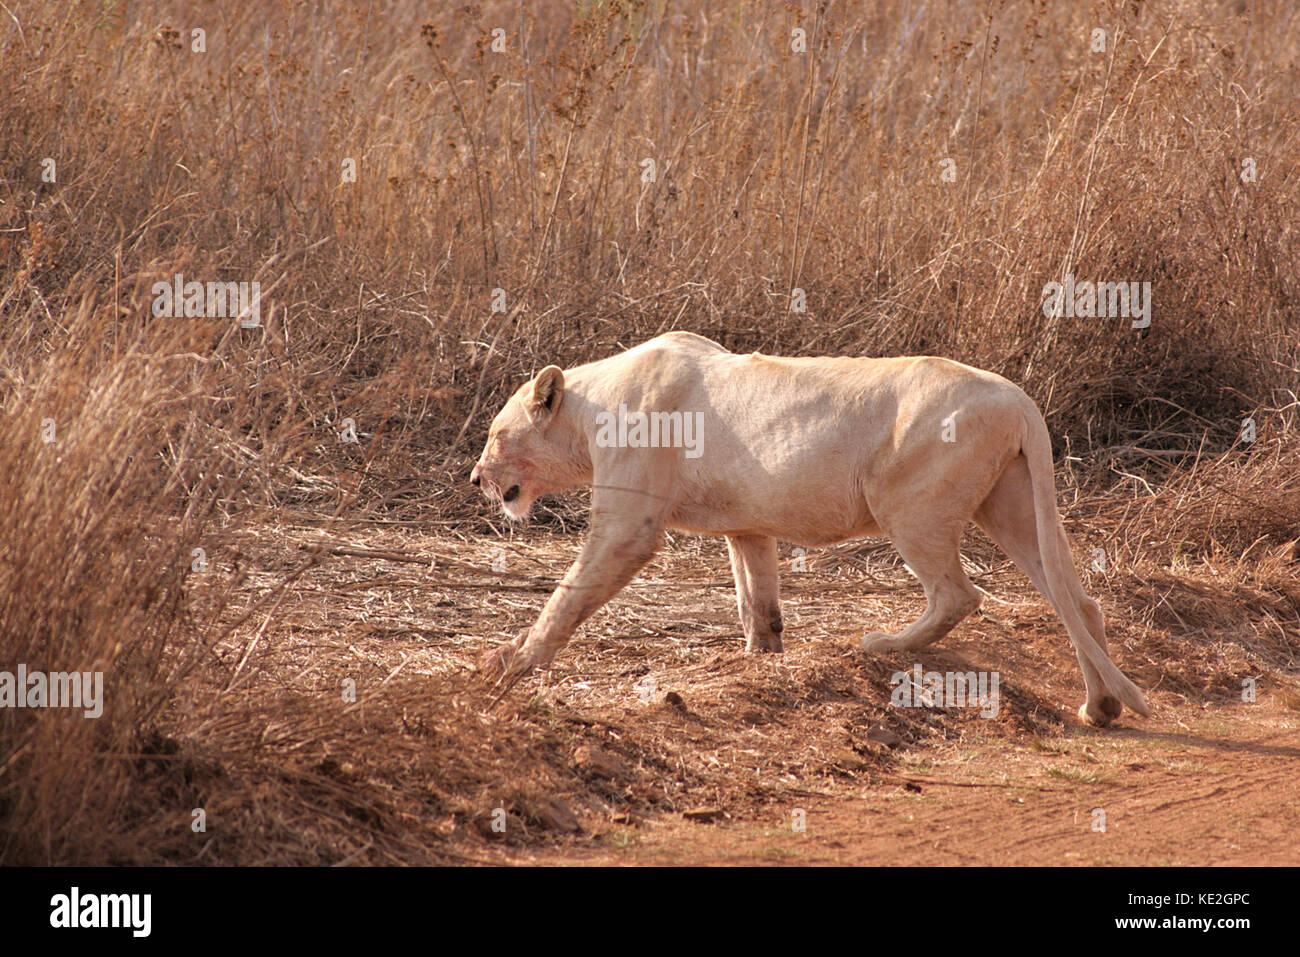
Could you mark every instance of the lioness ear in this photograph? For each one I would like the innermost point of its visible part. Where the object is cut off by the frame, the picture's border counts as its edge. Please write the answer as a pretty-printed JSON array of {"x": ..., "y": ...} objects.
[{"x": 548, "y": 388}]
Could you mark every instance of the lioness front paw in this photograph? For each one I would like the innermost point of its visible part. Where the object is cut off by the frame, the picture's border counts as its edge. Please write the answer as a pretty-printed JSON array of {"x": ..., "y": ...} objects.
[
  {"x": 507, "y": 663},
  {"x": 764, "y": 644}
]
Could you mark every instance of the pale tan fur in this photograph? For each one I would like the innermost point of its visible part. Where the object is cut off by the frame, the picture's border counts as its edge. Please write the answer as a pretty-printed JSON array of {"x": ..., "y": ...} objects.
[{"x": 809, "y": 451}]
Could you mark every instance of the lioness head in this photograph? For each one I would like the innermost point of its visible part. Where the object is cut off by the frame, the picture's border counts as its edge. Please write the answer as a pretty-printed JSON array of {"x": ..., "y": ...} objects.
[{"x": 526, "y": 454}]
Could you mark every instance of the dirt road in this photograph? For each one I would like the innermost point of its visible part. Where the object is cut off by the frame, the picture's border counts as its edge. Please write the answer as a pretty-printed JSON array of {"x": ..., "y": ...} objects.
[{"x": 1204, "y": 787}]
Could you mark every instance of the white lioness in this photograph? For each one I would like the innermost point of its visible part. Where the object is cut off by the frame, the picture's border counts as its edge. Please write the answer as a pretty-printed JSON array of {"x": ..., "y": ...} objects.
[{"x": 680, "y": 433}]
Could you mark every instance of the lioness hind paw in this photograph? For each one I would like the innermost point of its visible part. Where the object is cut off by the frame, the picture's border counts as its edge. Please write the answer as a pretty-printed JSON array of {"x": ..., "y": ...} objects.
[
  {"x": 878, "y": 641},
  {"x": 1101, "y": 712}
]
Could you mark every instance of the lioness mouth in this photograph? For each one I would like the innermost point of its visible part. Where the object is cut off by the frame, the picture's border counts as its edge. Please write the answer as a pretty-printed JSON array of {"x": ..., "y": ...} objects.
[{"x": 512, "y": 493}]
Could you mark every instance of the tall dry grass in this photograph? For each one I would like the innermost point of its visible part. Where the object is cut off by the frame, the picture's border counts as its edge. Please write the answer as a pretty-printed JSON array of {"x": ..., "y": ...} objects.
[{"x": 525, "y": 171}]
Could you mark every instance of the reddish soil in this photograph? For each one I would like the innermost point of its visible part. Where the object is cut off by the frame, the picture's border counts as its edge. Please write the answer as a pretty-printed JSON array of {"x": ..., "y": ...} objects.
[{"x": 654, "y": 739}]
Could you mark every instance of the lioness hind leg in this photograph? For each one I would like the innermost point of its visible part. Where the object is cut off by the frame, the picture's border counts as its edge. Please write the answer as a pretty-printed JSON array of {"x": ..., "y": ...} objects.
[
  {"x": 754, "y": 564},
  {"x": 1007, "y": 517},
  {"x": 934, "y": 558}
]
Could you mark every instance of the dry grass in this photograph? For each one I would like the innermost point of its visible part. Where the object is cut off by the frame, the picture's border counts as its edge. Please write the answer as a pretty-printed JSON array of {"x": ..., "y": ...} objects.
[{"x": 523, "y": 171}]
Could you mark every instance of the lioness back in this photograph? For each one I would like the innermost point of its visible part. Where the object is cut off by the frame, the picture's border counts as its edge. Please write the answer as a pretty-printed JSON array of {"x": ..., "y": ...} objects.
[{"x": 794, "y": 447}]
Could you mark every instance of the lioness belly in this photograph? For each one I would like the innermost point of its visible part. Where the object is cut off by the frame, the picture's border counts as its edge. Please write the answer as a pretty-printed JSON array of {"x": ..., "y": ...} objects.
[{"x": 801, "y": 520}]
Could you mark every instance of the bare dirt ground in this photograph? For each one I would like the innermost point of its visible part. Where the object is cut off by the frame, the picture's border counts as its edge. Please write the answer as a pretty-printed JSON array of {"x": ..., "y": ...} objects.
[
  {"x": 1206, "y": 789},
  {"x": 655, "y": 740}
]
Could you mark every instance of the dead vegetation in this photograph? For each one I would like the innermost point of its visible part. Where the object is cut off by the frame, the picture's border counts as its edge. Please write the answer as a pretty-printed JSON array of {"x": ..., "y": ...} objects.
[{"x": 131, "y": 440}]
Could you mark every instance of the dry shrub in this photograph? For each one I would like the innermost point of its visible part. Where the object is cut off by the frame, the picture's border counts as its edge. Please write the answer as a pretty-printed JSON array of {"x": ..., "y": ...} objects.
[
  {"x": 112, "y": 492},
  {"x": 1209, "y": 562},
  {"x": 524, "y": 171}
]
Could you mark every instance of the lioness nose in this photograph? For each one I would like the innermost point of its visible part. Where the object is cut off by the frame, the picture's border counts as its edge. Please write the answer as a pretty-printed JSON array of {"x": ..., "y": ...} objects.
[{"x": 474, "y": 477}]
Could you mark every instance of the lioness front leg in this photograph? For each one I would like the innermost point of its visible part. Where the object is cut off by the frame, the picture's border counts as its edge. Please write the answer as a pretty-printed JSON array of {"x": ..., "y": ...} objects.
[
  {"x": 754, "y": 563},
  {"x": 619, "y": 544}
]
